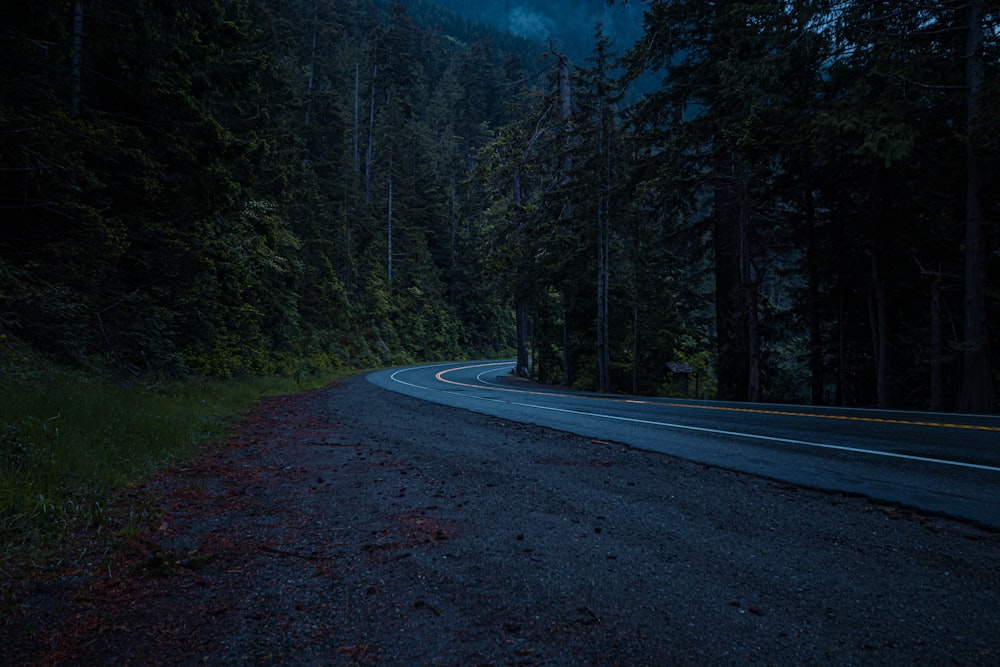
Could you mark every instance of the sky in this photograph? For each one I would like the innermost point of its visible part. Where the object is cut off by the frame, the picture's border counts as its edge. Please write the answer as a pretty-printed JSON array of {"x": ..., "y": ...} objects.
[{"x": 568, "y": 22}]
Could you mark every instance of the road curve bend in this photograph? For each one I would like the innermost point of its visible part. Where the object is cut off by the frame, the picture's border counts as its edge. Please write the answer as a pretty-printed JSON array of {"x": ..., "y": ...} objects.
[{"x": 936, "y": 462}]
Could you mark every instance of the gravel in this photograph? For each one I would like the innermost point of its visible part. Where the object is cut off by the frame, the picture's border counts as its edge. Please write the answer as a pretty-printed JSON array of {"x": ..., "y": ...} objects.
[{"x": 355, "y": 526}]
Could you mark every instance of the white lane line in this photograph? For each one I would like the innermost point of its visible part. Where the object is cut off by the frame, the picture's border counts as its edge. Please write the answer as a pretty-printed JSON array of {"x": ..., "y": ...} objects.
[
  {"x": 699, "y": 429},
  {"x": 752, "y": 436},
  {"x": 396, "y": 379},
  {"x": 417, "y": 368},
  {"x": 491, "y": 370}
]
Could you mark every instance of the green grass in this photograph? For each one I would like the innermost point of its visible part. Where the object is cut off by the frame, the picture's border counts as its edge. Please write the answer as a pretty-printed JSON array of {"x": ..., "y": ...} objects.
[{"x": 69, "y": 442}]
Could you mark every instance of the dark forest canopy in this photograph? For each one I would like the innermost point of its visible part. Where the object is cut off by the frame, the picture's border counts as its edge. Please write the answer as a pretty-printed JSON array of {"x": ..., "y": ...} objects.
[{"x": 800, "y": 209}]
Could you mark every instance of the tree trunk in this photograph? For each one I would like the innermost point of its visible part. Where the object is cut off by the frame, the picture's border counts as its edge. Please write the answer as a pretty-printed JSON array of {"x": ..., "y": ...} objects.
[
  {"x": 937, "y": 341},
  {"x": 607, "y": 301},
  {"x": 357, "y": 118},
  {"x": 603, "y": 260},
  {"x": 735, "y": 289},
  {"x": 880, "y": 334},
  {"x": 454, "y": 251},
  {"x": 370, "y": 153},
  {"x": 312, "y": 63},
  {"x": 607, "y": 124},
  {"x": 565, "y": 114},
  {"x": 348, "y": 261},
  {"x": 565, "y": 109},
  {"x": 730, "y": 332},
  {"x": 815, "y": 330},
  {"x": 389, "y": 231},
  {"x": 567, "y": 376},
  {"x": 977, "y": 381},
  {"x": 392, "y": 121},
  {"x": 521, "y": 310},
  {"x": 748, "y": 288},
  {"x": 842, "y": 396},
  {"x": 635, "y": 347},
  {"x": 603, "y": 360},
  {"x": 76, "y": 68}
]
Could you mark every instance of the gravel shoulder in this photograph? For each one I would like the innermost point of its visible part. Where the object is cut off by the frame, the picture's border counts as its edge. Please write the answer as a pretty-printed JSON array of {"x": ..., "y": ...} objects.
[{"x": 355, "y": 526}]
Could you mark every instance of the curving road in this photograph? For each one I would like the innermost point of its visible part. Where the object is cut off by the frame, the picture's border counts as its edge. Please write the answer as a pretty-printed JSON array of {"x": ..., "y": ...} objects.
[{"x": 942, "y": 463}]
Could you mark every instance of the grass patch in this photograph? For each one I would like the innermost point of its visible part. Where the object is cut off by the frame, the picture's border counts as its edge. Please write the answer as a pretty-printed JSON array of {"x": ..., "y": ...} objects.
[{"x": 68, "y": 442}]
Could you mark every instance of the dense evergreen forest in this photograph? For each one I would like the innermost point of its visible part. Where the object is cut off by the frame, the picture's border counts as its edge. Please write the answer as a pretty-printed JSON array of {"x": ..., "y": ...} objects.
[{"x": 800, "y": 210}]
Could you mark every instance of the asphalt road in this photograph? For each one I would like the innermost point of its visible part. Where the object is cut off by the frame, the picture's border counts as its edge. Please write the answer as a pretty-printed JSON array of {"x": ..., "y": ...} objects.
[{"x": 944, "y": 463}]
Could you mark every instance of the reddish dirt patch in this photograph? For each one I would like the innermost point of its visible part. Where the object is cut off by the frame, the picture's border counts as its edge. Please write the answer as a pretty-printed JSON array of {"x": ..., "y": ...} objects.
[{"x": 213, "y": 521}]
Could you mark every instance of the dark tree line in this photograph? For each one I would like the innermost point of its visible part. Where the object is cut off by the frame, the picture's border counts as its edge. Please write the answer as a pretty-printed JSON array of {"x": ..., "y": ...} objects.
[
  {"x": 229, "y": 187},
  {"x": 844, "y": 144},
  {"x": 816, "y": 170},
  {"x": 800, "y": 210}
]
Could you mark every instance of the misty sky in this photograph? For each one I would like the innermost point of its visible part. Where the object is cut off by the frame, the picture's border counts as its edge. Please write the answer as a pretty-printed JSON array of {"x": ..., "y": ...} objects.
[{"x": 570, "y": 22}]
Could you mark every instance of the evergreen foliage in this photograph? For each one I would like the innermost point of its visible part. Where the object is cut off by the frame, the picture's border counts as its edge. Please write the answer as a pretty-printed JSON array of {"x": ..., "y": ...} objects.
[
  {"x": 825, "y": 141},
  {"x": 799, "y": 210},
  {"x": 191, "y": 198}
]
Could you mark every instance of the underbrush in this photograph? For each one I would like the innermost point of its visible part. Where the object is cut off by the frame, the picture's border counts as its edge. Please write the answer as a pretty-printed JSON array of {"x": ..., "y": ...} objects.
[{"x": 69, "y": 441}]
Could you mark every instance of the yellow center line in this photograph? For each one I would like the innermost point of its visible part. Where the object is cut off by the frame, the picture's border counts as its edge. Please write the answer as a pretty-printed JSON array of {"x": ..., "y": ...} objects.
[
  {"x": 787, "y": 413},
  {"x": 782, "y": 413}
]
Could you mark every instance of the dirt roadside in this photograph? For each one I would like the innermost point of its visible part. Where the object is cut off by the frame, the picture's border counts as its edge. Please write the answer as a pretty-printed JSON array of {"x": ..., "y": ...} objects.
[{"x": 354, "y": 526}]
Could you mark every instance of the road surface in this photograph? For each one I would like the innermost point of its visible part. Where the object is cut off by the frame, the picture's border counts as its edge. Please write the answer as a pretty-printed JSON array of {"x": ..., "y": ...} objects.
[{"x": 944, "y": 463}]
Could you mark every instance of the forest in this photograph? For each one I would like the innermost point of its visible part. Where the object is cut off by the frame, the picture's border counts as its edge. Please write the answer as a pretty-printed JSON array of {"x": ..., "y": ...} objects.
[{"x": 799, "y": 210}]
